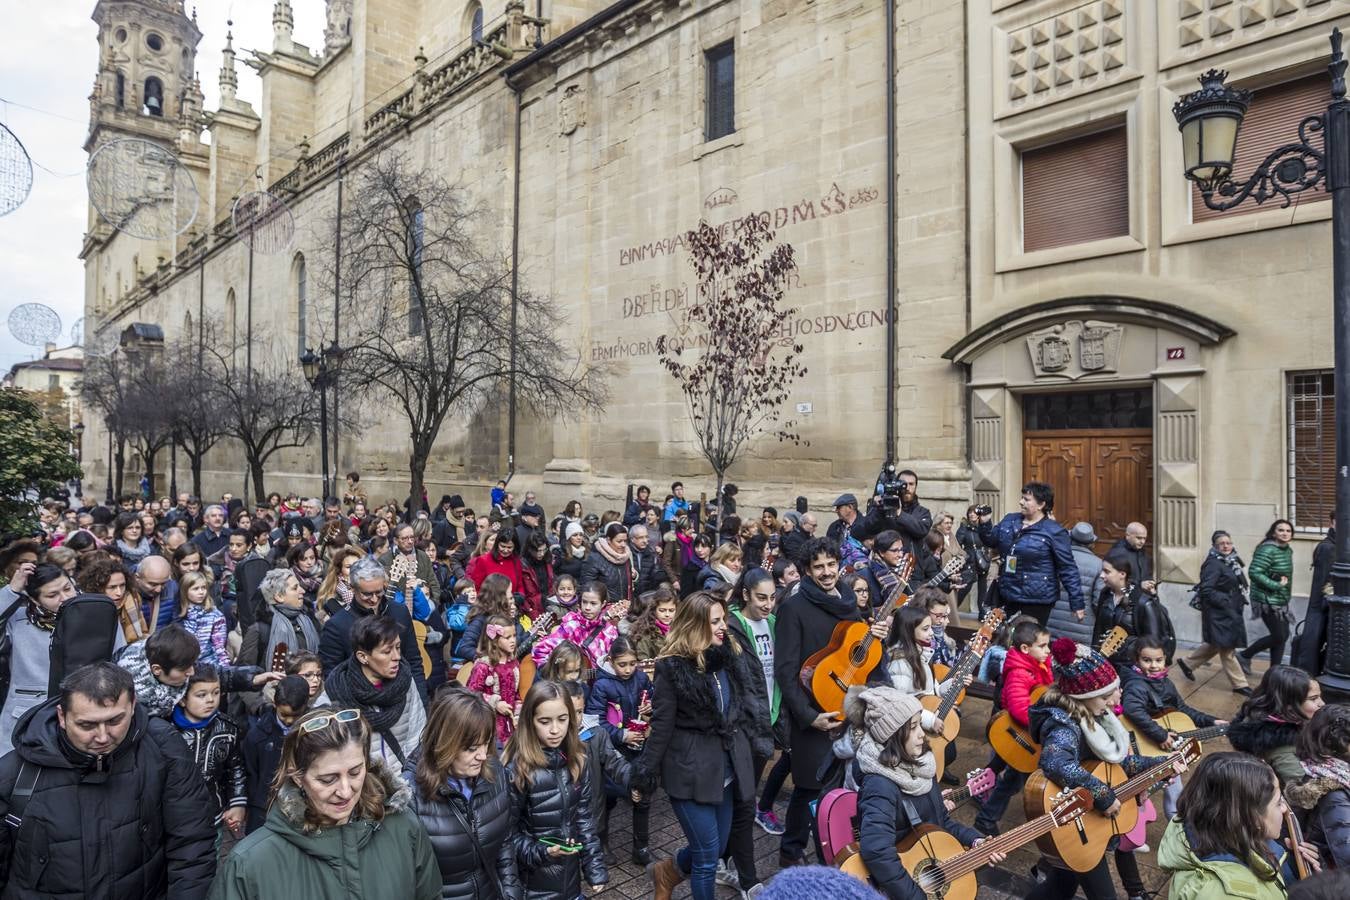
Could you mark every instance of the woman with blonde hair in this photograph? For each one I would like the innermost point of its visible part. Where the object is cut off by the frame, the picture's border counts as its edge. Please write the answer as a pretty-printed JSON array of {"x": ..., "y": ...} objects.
[
  {"x": 335, "y": 592},
  {"x": 338, "y": 824},
  {"x": 711, "y": 712},
  {"x": 463, "y": 798}
]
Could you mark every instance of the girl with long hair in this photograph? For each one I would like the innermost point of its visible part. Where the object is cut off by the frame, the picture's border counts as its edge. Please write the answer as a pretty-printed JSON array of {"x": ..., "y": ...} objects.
[
  {"x": 303, "y": 561},
  {"x": 710, "y": 719},
  {"x": 199, "y": 615},
  {"x": 1323, "y": 798},
  {"x": 335, "y": 591},
  {"x": 556, "y": 842},
  {"x": 337, "y": 818},
  {"x": 1269, "y": 722},
  {"x": 496, "y": 674},
  {"x": 648, "y": 631},
  {"x": 591, "y": 626},
  {"x": 1226, "y": 833},
  {"x": 494, "y": 599},
  {"x": 463, "y": 798}
]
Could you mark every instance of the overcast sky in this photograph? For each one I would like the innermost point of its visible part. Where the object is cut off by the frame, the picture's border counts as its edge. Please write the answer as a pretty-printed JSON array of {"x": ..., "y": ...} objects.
[{"x": 48, "y": 59}]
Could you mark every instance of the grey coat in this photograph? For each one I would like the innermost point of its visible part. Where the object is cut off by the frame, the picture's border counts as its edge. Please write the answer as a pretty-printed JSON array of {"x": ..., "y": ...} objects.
[{"x": 1062, "y": 621}]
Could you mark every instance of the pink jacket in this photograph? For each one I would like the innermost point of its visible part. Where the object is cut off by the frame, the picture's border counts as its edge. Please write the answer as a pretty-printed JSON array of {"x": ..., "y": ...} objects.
[{"x": 578, "y": 630}]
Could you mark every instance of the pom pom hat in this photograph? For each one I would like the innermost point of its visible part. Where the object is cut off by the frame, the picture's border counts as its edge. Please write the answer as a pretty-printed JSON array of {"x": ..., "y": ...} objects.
[
  {"x": 885, "y": 710},
  {"x": 1081, "y": 672}
]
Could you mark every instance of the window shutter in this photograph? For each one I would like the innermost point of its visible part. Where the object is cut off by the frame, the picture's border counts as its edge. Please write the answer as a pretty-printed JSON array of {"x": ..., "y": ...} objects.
[
  {"x": 1271, "y": 122},
  {"x": 1076, "y": 191},
  {"x": 1312, "y": 448}
]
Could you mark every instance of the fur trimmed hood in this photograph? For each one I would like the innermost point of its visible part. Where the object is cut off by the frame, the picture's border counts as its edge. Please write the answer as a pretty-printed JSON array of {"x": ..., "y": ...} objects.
[
  {"x": 1261, "y": 738},
  {"x": 1309, "y": 792},
  {"x": 290, "y": 803},
  {"x": 699, "y": 710}
]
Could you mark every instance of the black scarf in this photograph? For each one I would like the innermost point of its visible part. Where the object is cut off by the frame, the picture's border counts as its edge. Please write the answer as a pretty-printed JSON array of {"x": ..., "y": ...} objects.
[
  {"x": 842, "y": 604},
  {"x": 347, "y": 686}
]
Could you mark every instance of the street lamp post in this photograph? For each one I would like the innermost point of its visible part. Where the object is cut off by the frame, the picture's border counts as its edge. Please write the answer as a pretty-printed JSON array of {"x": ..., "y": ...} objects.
[
  {"x": 1209, "y": 120},
  {"x": 320, "y": 371},
  {"x": 78, "y": 431},
  {"x": 109, "y": 496}
]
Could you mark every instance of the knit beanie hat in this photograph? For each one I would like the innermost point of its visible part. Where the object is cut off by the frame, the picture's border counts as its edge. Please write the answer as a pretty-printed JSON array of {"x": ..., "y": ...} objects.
[
  {"x": 887, "y": 710},
  {"x": 571, "y": 529},
  {"x": 813, "y": 882},
  {"x": 1082, "y": 673}
]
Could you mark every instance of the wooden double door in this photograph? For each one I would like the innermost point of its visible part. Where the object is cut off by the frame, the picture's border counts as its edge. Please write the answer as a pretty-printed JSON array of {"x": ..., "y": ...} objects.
[{"x": 1104, "y": 477}]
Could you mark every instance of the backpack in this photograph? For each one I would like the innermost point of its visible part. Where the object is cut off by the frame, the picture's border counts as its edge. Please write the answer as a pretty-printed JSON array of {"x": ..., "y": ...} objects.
[
  {"x": 837, "y": 822},
  {"x": 1168, "y": 635},
  {"x": 86, "y": 631}
]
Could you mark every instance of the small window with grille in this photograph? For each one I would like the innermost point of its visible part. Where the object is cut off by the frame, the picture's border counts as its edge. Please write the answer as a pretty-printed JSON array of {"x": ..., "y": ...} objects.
[{"x": 1312, "y": 448}]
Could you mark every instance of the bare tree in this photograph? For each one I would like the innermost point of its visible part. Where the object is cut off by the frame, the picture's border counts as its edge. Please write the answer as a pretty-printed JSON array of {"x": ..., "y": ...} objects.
[
  {"x": 735, "y": 361},
  {"x": 148, "y": 424},
  {"x": 194, "y": 400},
  {"x": 431, "y": 306},
  {"x": 267, "y": 409},
  {"x": 106, "y": 385}
]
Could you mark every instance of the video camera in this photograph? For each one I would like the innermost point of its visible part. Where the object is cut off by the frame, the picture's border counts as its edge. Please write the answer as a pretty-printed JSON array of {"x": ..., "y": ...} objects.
[{"x": 889, "y": 487}]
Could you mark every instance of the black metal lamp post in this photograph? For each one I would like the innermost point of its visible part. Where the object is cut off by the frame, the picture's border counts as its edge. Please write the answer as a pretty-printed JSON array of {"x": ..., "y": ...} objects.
[
  {"x": 320, "y": 371},
  {"x": 78, "y": 431},
  {"x": 1210, "y": 120},
  {"x": 109, "y": 497}
]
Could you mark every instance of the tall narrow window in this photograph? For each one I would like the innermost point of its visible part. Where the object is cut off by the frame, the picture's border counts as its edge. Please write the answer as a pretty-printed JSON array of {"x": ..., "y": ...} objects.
[
  {"x": 476, "y": 23},
  {"x": 120, "y": 90},
  {"x": 721, "y": 100},
  {"x": 231, "y": 323},
  {"x": 1271, "y": 121},
  {"x": 416, "y": 241},
  {"x": 301, "y": 303},
  {"x": 1076, "y": 191},
  {"x": 1311, "y": 469},
  {"x": 153, "y": 104}
]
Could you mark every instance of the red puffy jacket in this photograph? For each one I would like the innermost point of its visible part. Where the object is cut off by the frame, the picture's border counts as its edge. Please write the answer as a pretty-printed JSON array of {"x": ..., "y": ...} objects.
[
  {"x": 490, "y": 564},
  {"x": 1021, "y": 674}
]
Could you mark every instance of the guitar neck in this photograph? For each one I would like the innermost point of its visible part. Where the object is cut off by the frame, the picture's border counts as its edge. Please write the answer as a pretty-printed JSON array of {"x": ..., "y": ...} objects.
[
  {"x": 1204, "y": 734},
  {"x": 1145, "y": 780},
  {"x": 953, "y": 690},
  {"x": 1296, "y": 838},
  {"x": 974, "y": 858}
]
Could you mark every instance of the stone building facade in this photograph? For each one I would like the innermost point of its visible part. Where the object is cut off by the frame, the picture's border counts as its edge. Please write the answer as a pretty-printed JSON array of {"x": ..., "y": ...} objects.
[
  {"x": 1154, "y": 359},
  {"x": 615, "y": 162}
]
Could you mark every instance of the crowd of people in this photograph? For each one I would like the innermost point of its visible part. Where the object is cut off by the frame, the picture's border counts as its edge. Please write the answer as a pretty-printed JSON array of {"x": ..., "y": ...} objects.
[{"x": 329, "y": 697}]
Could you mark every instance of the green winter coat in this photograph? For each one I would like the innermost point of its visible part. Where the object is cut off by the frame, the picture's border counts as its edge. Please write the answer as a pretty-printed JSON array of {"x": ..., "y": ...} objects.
[
  {"x": 1269, "y": 562},
  {"x": 1210, "y": 879},
  {"x": 363, "y": 860}
]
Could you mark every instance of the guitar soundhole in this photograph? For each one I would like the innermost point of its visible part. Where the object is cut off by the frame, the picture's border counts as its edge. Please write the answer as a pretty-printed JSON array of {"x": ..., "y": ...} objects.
[
  {"x": 858, "y": 656},
  {"x": 929, "y": 877}
]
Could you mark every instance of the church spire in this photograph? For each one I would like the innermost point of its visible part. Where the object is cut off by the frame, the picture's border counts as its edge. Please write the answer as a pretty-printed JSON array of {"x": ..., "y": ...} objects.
[
  {"x": 283, "y": 25},
  {"x": 229, "y": 79}
]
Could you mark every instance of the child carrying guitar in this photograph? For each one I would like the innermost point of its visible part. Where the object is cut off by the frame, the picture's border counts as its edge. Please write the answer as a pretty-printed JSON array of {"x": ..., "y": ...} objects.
[
  {"x": 1025, "y": 668},
  {"x": 1074, "y": 724},
  {"x": 1145, "y": 692},
  {"x": 910, "y": 651},
  {"x": 897, "y": 791}
]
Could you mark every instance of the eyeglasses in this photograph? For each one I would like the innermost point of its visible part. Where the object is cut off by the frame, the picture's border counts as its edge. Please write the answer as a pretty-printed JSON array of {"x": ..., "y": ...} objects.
[{"x": 320, "y": 722}]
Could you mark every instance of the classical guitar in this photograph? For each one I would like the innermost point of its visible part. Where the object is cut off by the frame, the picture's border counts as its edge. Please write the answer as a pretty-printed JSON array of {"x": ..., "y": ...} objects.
[
  {"x": 943, "y": 704},
  {"x": 280, "y": 654},
  {"x": 1081, "y": 847},
  {"x": 852, "y": 652},
  {"x": 1183, "y": 725},
  {"x": 1012, "y": 742},
  {"x": 403, "y": 571},
  {"x": 1295, "y": 835},
  {"x": 546, "y": 622},
  {"x": 978, "y": 783},
  {"x": 945, "y": 870}
]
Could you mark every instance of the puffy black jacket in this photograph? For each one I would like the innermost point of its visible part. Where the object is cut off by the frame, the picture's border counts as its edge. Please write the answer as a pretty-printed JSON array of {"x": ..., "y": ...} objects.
[
  {"x": 448, "y": 818},
  {"x": 1324, "y": 806},
  {"x": 650, "y": 572},
  {"x": 1044, "y": 564},
  {"x": 618, "y": 578},
  {"x": 132, "y": 825},
  {"x": 884, "y": 821},
  {"x": 216, "y": 751},
  {"x": 1142, "y": 698},
  {"x": 553, "y": 805}
]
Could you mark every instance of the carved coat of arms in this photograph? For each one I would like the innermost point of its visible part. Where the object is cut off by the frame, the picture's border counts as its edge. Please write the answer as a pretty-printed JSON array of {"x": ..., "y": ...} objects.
[
  {"x": 572, "y": 109},
  {"x": 1074, "y": 349}
]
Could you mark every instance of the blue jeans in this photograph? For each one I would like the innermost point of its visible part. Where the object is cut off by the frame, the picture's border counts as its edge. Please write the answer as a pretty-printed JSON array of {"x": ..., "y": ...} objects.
[{"x": 706, "y": 826}]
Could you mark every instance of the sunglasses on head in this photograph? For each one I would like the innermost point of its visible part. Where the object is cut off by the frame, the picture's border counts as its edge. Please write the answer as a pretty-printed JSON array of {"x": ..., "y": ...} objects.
[{"x": 320, "y": 722}]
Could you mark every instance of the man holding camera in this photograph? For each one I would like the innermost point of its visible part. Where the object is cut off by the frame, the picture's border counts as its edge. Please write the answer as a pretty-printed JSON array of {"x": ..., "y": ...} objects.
[{"x": 900, "y": 511}]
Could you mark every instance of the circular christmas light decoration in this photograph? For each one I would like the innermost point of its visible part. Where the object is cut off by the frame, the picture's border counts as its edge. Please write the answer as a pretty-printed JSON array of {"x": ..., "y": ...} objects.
[
  {"x": 264, "y": 222},
  {"x": 16, "y": 172},
  {"x": 34, "y": 324},
  {"x": 141, "y": 189},
  {"x": 77, "y": 332}
]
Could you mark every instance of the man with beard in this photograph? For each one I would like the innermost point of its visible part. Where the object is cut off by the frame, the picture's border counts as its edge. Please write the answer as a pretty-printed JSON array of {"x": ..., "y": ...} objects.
[
  {"x": 912, "y": 519},
  {"x": 805, "y": 623},
  {"x": 368, "y": 580}
]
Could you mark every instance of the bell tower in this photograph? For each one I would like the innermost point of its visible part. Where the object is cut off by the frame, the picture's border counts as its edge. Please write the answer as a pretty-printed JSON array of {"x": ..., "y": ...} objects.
[{"x": 145, "y": 82}]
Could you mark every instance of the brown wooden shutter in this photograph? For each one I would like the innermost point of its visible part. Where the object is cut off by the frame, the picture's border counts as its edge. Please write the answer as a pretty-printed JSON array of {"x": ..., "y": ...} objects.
[
  {"x": 1076, "y": 191},
  {"x": 1271, "y": 122},
  {"x": 1312, "y": 414}
]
